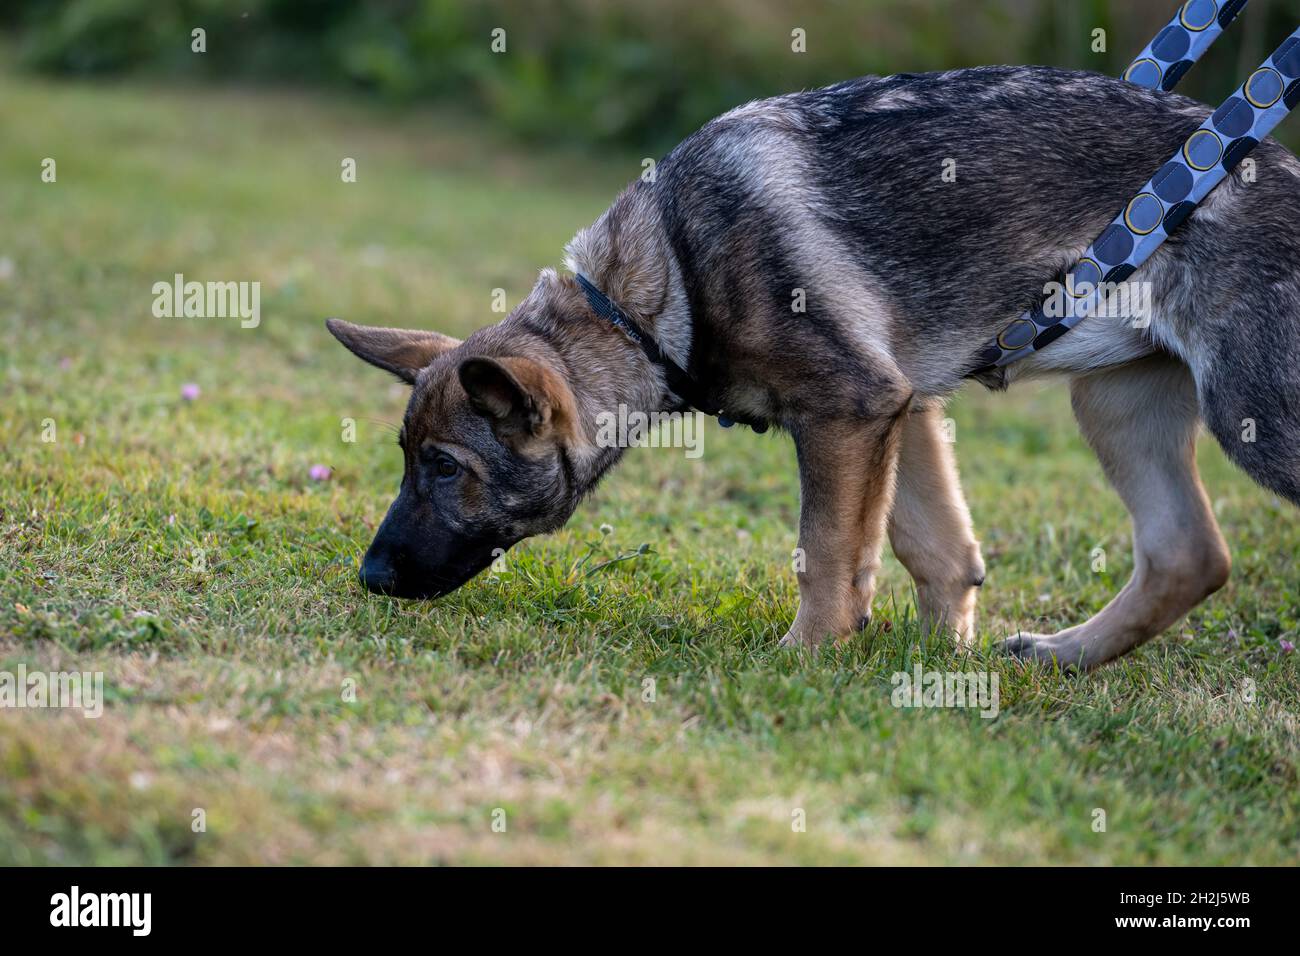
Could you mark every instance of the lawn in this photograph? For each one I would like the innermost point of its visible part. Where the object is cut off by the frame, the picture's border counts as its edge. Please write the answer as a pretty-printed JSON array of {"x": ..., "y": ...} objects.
[{"x": 573, "y": 708}]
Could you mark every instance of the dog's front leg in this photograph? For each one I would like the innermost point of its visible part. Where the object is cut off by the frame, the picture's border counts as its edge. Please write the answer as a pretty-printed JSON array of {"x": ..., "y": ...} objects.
[{"x": 846, "y": 475}]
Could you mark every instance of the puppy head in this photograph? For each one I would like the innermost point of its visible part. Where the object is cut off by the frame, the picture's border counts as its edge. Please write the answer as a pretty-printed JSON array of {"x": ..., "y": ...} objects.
[{"x": 487, "y": 438}]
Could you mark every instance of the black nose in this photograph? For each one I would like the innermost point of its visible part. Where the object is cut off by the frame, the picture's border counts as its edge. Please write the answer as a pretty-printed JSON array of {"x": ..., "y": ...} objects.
[{"x": 377, "y": 574}]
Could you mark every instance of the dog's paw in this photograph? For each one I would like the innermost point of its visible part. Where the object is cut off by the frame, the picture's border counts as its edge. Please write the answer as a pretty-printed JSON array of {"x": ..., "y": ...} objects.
[
  {"x": 1042, "y": 649},
  {"x": 793, "y": 639},
  {"x": 810, "y": 639}
]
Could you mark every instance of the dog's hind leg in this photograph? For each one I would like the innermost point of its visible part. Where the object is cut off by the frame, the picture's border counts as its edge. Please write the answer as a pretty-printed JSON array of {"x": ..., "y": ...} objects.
[
  {"x": 930, "y": 527},
  {"x": 1141, "y": 420}
]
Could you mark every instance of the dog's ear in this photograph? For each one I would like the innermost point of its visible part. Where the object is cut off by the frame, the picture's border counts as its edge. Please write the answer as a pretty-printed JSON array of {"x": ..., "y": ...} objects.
[
  {"x": 520, "y": 397},
  {"x": 400, "y": 351}
]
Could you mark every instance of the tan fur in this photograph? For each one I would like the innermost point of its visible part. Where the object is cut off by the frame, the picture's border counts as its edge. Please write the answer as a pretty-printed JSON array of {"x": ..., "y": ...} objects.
[
  {"x": 846, "y": 471},
  {"x": 400, "y": 351},
  {"x": 930, "y": 527},
  {"x": 555, "y": 409},
  {"x": 1141, "y": 420}
]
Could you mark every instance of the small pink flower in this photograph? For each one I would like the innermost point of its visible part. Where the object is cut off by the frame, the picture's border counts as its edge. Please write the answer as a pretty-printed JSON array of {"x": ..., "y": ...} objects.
[
  {"x": 1287, "y": 646},
  {"x": 189, "y": 391},
  {"x": 320, "y": 472},
  {"x": 65, "y": 363}
]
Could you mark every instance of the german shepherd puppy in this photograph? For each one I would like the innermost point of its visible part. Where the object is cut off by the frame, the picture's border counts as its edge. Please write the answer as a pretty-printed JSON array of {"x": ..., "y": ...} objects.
[{"x": 905, "y": 274}]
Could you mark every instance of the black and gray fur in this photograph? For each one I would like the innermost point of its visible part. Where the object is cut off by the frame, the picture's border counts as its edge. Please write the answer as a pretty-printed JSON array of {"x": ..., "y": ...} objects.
[{"x": 1044, "y": 160}]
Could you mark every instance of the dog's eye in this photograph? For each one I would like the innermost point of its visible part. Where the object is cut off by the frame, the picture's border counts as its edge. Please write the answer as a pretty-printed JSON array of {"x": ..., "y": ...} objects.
[{"x": 446, "y": 466}]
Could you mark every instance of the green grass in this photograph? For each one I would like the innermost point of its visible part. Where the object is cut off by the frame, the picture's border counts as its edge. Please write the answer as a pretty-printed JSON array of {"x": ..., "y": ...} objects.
[{"x": 225, "y": 678}]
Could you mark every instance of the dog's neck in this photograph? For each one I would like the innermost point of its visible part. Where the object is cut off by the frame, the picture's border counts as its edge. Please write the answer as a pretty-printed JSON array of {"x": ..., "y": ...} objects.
[{"x": 627, "y": 256}]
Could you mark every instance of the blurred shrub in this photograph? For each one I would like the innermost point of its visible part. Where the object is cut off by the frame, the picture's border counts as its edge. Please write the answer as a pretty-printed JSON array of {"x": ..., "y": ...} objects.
[{"x": 643, "y": 71}]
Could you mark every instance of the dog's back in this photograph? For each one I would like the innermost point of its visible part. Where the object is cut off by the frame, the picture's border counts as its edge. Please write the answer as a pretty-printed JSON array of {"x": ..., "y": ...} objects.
[{"x": 952, "y": 199}]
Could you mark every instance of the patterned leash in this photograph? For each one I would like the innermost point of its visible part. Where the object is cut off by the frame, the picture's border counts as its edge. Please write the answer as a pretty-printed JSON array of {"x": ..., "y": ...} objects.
[
  {"x": 1169, "y": 197},
  {"x": 1168, "y": 57}
]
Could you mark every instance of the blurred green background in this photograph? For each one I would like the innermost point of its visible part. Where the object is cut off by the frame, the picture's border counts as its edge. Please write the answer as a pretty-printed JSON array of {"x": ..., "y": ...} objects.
[
  {"x": 524, "y": 690},
  {"x": 605, "y": 71}
]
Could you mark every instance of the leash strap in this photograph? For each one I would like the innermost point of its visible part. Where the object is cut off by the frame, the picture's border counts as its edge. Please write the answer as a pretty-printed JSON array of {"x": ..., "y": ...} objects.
[
  {"x": 1161, "y": 64},
  {"x": 1168, "y": 198},
  {"x": 1205, "y": 160},
  {"x": 1167, "y": 58}
]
